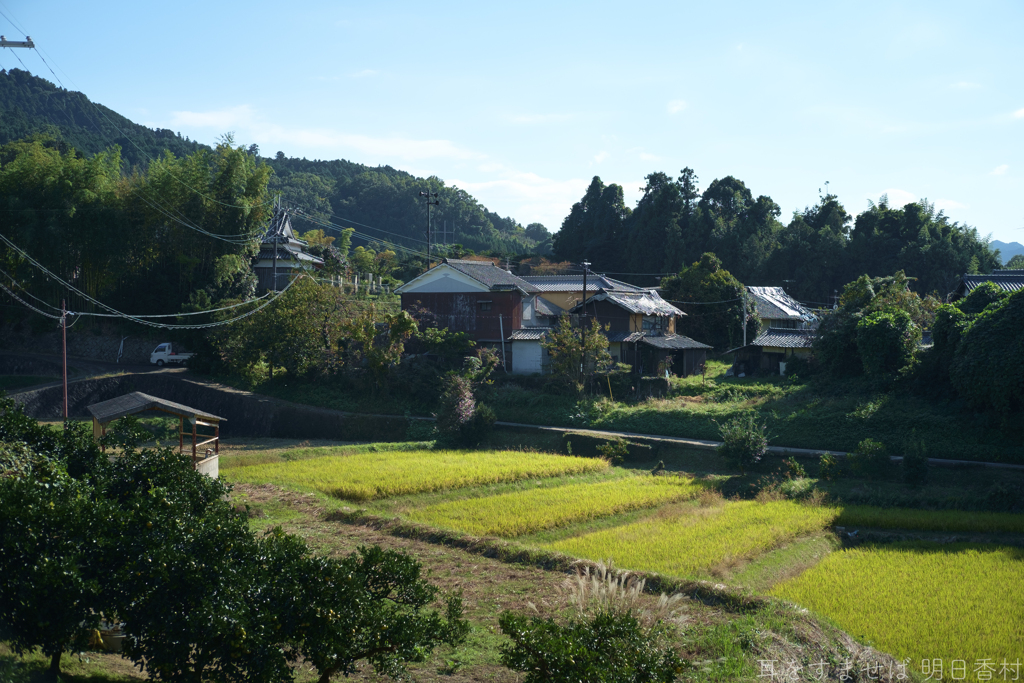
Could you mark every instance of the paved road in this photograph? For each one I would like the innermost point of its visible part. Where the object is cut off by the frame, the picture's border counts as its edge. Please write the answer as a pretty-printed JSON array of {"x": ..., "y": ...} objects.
[{"x": 84, "y": 368}]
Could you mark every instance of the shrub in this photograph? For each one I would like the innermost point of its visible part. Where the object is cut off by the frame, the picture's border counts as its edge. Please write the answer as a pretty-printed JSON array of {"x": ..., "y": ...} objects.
[
  {"x": 608, "y": 648},
  {"x": 615, "y": 451},
  {"x": 829, "y": 468},
  {"x": 987, "y": 369},
  {"x": 886, "y": 341},
  {"x": 744, "y": 442},
  {"x": 871, "y": 459},
  {"x": 793, "y": 469},
  {"x": 590, "y": 445}
]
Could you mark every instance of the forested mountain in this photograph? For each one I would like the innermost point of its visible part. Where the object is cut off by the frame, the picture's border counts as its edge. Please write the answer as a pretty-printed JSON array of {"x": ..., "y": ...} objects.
[
  {"x": 821, "y": 248},
  {"x": 381, "y": 203}
]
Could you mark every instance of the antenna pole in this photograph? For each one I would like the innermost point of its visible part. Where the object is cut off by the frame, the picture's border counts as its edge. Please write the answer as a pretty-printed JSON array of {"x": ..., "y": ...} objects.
[
  {"x": 583, "y": 319},
  {"x": 64, "y": 334},
  {"x": 436, "y": 201}
]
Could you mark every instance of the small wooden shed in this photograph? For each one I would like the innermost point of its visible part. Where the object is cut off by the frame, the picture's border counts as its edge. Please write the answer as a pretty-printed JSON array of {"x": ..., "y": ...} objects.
[{"x": 105, "y": 412}]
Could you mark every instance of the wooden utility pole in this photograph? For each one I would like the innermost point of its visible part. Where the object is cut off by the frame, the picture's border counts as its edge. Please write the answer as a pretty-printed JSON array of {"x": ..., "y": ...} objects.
[
  {"x": 64, "y": 334},
  {"x": 436, "y": 201}
]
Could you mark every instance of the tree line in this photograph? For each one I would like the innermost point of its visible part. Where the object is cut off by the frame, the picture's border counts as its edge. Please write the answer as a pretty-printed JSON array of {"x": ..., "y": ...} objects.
[{"x": 814, "y": 255}]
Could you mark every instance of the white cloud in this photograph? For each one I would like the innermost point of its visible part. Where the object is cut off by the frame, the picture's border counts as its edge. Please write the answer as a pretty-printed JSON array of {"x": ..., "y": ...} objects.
[
  {"x": 600, "y": 156},
  {"x": 365, "y": 73},
  {"x": 1019, "y": 113},
  {"x": 676, "y": 106},
  {"x": 948, "y": 205},
  {"x": 222, "y": 120},
  {"x": 528, "y": 196},
  {"x": 1001, "y": 169},
  {"x": 645, "y": 156},
  {"x": 327, "y": 142}
]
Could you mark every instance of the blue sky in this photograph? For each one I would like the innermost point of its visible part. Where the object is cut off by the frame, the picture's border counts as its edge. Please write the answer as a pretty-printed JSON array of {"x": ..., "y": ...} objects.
[{"x": 523, "y": 103}]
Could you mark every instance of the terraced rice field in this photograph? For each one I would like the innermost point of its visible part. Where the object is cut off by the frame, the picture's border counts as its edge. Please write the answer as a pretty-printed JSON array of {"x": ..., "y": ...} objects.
[
  {"x": 694, "y": 540},
  {"x": 371, "y": 476},
  {"x": 924, "y": 601},
  {"x": 946, "y": 521},
  {"x": 523, "y": 512}
]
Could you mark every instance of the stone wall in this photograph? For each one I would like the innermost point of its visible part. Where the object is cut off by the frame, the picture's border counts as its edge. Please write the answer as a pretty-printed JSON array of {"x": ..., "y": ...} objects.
[
  {"x": 85, "y": 344},
  {"x": 246, "y": 414}
]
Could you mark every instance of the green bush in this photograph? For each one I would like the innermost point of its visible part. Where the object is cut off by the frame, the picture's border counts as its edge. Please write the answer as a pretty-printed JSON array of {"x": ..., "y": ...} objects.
[
  {"x": 591, "y": 445},
  {"x": 988, "y": 368},
  {"x": 870, "y": 459},
  {"x": 886, "y": 341},
  {"x": 793, "y": 469},
  {"x": 610, "y": 647},
  {"x": 744, "y": 442},
  {"x": 829, "y": 467}
]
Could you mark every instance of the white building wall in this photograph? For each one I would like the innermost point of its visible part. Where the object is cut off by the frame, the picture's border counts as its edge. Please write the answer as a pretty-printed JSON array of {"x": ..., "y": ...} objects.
[{"x": 527, "y": 357}]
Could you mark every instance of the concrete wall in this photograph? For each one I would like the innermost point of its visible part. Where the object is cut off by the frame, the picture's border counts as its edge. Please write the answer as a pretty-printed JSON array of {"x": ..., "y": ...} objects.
[
  {"x": 86, "y": 345},
  {"x": 527, "y": 357}
]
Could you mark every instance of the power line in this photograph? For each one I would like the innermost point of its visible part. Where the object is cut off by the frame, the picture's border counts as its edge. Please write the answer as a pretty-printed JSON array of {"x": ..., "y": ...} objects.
[
  {"x": 137, "y": 319},
  {"x": 362, "y": 225}
]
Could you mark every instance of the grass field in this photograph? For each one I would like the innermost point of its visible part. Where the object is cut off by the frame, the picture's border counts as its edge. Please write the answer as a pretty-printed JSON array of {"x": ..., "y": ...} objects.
[
  {"x": 950, "y": 521},
  {"x": 688, "y": 541},
  {"x": 372, "y": 475},
  {"x": 523, "y": 512},
  {"x": 923, "y": 601}
]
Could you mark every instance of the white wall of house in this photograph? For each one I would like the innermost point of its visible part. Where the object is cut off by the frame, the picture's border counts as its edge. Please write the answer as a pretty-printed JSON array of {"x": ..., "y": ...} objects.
[
  {"x": 527, "y": 357},
  {"x": 441, "y": 279}
]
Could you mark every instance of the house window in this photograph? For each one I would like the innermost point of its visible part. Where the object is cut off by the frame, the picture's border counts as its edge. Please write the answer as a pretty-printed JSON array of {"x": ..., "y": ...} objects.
[{"x": 485, "y": 305}]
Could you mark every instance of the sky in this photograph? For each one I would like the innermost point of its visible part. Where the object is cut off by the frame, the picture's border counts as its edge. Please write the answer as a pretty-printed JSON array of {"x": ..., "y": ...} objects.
[{"x": 522, "y": 104}]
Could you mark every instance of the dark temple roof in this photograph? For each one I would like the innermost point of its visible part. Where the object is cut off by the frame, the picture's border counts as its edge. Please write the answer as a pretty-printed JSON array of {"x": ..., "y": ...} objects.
[
  {"x": 1006, "y": 280},
  {"x": 772, "y": 303}
]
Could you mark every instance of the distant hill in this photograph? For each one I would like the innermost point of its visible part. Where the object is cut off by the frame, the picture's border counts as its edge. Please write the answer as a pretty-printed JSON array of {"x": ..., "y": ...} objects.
[
  {"x": 1007, "y": 250},
  {"x": 382, "y": 203},
  {"x": 31, "y": 105}
]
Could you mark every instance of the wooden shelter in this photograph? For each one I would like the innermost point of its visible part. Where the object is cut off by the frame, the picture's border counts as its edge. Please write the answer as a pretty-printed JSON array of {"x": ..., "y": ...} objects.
[{"x": 105, "y": 412}]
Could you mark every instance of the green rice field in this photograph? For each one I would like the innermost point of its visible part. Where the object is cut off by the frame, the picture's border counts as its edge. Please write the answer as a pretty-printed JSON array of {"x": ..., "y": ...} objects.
[
  {"x": 523, "y": 512},
  {"x": 923, "y": 601},
  {"x": 693, "y": 540},
  {"x": 370, "y": 476},
  {"x": 951, "y": 603}
]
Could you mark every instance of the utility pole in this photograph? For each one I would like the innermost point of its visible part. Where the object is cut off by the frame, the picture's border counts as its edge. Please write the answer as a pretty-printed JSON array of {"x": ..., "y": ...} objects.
[
  {"x": 583, "y": 319},
  {"x": 16, "y": 43},
  {"x": 436, "y": 201},
  {"x": 64, "y": 333}
]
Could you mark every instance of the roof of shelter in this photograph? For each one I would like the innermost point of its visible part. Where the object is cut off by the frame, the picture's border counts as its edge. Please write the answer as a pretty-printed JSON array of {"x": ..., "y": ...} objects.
[
  {"x": 490, "y": 275},
  {"x": 574, "y": 283},
  {"x": 773, "y": 303},
  {"x": 137, "y": 402},
  {"x": 1006, "y": 280},
  {"x": 672, "y": 342},
  {"x": 643, "y": 302},
  {"x": 785, "y": 339},
  {"x": 544, "y": 307}
]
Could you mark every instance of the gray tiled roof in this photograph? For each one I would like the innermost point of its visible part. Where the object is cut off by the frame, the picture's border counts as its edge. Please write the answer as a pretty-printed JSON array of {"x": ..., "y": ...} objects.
[
  {"x": 1006, "y": 280},
  {"x": 491, "y": 275},
  {"x": 672, "y": 342},
  {"x": 574, "y": 283},
  {"x": 625, "y": 337},
  {"x": 786, "y": 339},
  {"x": 774, "y": 304},
  {"x": 644, "y": 302}
]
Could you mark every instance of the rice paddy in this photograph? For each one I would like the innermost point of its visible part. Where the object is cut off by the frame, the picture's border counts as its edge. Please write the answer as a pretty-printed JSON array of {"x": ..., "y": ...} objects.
[
  {"x": 955, "y": 603},
  {"x": 523, "y": 512},
  {"x": 370, "y": 476},
  {"x": 946, "y": 521},
  {"x": 691, "y": 541}
]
